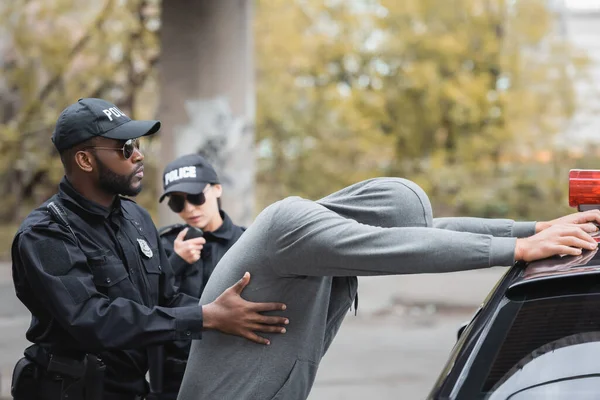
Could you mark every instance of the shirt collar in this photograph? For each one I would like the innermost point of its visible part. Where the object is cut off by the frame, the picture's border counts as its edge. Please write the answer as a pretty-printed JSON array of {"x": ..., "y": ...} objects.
[
  {"x": 225, "y": 231},
  {"x": 70, "y": 195}
]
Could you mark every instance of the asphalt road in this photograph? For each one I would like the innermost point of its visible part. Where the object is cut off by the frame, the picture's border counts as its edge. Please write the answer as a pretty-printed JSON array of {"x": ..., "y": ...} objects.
[{"x": 394, "y": 348}]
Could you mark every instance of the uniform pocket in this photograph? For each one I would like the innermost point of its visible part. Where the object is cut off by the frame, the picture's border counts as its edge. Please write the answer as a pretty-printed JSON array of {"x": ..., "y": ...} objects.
[
  {"x": 108, "y": 273},
  {"x": 299, "y": 382},
  {"x": 152, "y": 265},
  {"x": 153, "y": 275}
]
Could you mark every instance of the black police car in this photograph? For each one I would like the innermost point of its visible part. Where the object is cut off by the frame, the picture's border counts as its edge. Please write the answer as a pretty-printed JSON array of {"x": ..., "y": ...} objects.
[{"x": 537, "y": 335}]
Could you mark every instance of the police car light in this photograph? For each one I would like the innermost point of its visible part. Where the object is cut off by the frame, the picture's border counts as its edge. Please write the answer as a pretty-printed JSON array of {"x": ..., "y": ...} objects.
[{"x": 584, "y": 189}]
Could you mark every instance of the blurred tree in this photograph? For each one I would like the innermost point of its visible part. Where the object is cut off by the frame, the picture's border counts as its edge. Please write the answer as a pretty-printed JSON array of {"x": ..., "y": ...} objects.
[
  {"x": 56, "y": 52},
  {"x": 311, "y": 139},
  {"x": 461, "y": 96}
]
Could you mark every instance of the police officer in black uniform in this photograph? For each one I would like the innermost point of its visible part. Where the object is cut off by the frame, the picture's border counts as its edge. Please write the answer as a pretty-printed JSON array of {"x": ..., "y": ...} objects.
[
  {"x": 90, "y": 267},
  {"x": 194, "y": 247}
]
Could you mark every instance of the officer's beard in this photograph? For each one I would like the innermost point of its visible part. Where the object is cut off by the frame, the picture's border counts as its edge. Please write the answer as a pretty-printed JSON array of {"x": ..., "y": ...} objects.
[{"x": 116, "y": 184}]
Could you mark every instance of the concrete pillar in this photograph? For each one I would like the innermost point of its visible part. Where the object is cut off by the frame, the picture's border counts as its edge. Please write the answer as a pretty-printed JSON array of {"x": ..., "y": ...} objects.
[{"x": 207, "y": 94}]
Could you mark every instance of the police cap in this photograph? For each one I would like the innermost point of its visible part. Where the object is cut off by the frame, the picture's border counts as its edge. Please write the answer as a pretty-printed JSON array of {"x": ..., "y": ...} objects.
[{"x": 89, "y": 118}]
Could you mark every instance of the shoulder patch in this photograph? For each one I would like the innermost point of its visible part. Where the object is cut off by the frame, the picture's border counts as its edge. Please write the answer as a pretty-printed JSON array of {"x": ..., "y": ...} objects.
[
  {"x": 170, "y": 229},
  {"x": 54, "y": 256}
]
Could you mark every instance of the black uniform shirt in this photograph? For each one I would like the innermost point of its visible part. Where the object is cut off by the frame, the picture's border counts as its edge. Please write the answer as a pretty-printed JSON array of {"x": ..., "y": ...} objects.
[
  {"x": 108, "y": 292},
  {"x": 192, "y": 278}
]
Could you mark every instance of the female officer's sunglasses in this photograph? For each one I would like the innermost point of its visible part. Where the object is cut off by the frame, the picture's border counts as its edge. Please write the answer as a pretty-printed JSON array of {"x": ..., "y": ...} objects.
[
  {"x": 128, "y": 148},
  {"x": 177, "y": 201}
]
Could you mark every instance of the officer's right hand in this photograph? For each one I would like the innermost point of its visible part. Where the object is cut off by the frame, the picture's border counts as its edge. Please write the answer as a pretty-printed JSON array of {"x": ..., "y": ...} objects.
[
  {"x": 189, "y": 250},
  {"x": 231, "y": 314},
  {"x": 568, "y": 239}
]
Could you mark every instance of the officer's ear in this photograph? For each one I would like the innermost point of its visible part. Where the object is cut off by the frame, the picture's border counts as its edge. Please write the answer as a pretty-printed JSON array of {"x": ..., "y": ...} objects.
[
  {"x": 218, "y": 190},
  {"x": 84, "y": 160}
]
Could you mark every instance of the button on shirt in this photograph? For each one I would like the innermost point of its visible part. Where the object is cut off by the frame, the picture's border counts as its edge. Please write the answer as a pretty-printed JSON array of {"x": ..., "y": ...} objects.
[{"x": 108, "y": 291}]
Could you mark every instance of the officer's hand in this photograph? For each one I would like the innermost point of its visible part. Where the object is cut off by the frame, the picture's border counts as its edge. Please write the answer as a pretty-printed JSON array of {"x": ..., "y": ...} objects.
[
  {"x": 586, "y": 220},
  {"x": 231, "y": 314},
  {"x": 189, "y": 250},
  {"x": 555, "y": 240}
]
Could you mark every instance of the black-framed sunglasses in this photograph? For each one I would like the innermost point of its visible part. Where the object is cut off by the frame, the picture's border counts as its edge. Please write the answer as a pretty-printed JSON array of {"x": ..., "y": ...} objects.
[
  {"x": 177, "y": 201},
  {"x": 128, "y": 148}
]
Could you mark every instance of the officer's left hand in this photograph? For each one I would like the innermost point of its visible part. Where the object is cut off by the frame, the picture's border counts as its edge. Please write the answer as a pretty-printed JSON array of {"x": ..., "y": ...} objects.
[
  {"x": 586, "y": 221},
  {"x": 189, "y": 249},
  {"x": 231, "y": 314}
]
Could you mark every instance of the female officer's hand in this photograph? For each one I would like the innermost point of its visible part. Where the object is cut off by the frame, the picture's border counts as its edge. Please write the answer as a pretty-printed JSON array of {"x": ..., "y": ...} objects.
[{"x": 189, "y": 250}]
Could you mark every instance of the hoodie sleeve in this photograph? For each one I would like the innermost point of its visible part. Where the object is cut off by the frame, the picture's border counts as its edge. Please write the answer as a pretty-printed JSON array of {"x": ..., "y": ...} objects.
[
  {"x": 305, "y": 238},
  {"x": 493, "y": 227}
]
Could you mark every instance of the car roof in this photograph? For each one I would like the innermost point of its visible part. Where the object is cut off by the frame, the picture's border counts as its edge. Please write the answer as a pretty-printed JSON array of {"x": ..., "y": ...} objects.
[{"x": 559, "y": 267}]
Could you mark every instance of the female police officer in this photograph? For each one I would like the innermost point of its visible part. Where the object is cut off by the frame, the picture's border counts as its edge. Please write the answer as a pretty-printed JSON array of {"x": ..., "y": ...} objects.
[
  {"x": 91, "y": 269},
  {"x": 195, "y": 247}
]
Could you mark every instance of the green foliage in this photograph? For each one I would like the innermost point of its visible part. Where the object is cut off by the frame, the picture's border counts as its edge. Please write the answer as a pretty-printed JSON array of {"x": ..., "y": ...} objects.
[
  {"x": 460, "y": 96},
  {"x": 59, "y": 51},
  {"x": 463, "y": 96}
]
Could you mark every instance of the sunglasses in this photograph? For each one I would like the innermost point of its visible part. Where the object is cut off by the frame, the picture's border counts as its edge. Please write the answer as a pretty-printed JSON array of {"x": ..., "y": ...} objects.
[
  {"x": 128, "y": 148},
  {"x": 177, "y": 201}
]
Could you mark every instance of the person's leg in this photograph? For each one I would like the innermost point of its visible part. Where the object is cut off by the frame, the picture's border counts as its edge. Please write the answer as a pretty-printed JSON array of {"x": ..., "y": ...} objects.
[{"x": 384, "y": 202}]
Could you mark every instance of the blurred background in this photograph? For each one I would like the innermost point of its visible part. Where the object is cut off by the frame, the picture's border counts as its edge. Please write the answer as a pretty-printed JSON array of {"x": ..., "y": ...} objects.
[{"x": 486, "y": 104}]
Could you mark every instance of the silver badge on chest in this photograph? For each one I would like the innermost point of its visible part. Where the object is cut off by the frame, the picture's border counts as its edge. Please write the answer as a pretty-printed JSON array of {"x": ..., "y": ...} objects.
[{"x": 145, "y": 248}]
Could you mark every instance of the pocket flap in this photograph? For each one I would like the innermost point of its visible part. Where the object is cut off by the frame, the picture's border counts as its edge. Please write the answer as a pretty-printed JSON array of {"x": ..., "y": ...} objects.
[
  {"x": 109, "y": 273},
  {"x": 152, "y": 265}
]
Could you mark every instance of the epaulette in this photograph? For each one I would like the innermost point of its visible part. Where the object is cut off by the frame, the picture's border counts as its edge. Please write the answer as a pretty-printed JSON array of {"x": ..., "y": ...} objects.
[{"x": 165, "y": 230}]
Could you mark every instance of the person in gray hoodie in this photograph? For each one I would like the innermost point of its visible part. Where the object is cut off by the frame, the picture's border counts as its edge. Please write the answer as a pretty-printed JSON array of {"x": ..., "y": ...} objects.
[{"x": 308, "y": 255}]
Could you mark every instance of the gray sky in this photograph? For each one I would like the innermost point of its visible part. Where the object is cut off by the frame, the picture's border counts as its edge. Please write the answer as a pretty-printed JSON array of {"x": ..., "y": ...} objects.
[{"x": 582, "y": 4}]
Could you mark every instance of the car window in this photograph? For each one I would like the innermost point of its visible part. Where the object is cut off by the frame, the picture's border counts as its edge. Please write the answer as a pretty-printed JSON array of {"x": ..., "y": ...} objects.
[
  {"x": 576, "y": 388},
  {"x": 567, "y": 367},
  {"x": 540, "y": 322},
  {"x": 540, "y": 331}
]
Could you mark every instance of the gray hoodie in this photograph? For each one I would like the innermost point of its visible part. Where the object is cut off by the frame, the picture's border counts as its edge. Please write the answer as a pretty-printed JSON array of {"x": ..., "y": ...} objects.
[{"x": 307, "y": 255}]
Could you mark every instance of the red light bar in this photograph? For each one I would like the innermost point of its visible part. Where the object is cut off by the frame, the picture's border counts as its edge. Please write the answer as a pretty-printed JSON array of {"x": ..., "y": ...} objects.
[{"x": 584, "y": 187}]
